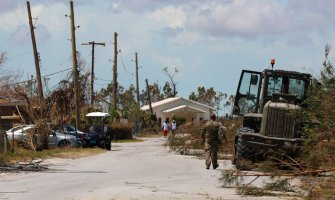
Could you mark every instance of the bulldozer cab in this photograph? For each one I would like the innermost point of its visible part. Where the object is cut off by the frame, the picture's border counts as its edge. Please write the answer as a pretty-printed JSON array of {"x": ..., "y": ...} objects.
[
  {"x": 257, "y": 88},
  {"x": 248, "y": 93}
]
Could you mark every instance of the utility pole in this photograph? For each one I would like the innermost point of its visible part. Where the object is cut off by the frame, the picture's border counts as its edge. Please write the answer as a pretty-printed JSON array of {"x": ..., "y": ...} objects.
[
  {"x": 74, "y": 66},
  {"x": 92, "y": 69},
  {"x": 37, "y": 63},
  {"x": 115, "y": 74},
  {"x": 137, "y": 123},
  {"x": 149, "y": 98},
  {"x": 137, "y": 87}
]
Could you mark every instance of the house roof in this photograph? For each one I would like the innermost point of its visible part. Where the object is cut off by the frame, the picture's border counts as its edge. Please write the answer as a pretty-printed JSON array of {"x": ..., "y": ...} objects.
[
  {"x": 97, "y": 114},
  {"x": 183, "y": 108},
  {"x": 159, "y": 103},
  {"x": 168, "y": 100},
  {"x": 10, "y": 102}
]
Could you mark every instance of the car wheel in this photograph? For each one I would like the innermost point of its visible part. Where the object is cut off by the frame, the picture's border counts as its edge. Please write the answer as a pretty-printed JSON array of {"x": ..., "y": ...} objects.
[{"x": 64, "y": 143}]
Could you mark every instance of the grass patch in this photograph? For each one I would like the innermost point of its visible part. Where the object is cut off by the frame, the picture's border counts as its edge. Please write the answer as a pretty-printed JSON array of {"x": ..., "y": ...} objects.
[
  {"x": 23, "y": 155},
  {"x": 127, "y": 141}
]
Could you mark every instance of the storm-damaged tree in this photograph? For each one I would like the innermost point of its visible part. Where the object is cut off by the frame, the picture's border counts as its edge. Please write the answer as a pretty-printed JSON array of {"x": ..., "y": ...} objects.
[
  {"x": 33, "y": 112},
  {"x": 209, "y": 97},
  {"x": 129, "y": 106},
  {"x": 172, "y": 83},
  {"x": 155, "y": 94},
  {"x": 57, "y": 108},
  {"x": 167, "y": 90},
  {"x": 7, "y": 78},
  {"x": 321, "y": 104},
  {"x": 62, "y": 98},
  {"x": 229, "y": 104}
]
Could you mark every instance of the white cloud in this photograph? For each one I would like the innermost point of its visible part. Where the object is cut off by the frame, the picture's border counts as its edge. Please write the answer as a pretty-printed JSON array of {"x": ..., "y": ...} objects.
[
  {"x": 11, "y": 20},
  {"x": 169, "y": 17},
  {"x": 240, "y": 17},
  {"x": 21, "y": 36}
]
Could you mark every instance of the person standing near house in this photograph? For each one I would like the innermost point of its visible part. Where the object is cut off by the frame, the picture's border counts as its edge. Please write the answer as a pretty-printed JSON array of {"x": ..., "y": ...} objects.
[
  {"x": 173, "y": 127},
  {"x": 212, "y": 134},
  {"x": 165, "y": 128}
]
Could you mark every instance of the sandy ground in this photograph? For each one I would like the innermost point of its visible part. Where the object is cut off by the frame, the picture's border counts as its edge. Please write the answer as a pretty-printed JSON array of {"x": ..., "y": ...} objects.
[{"x": 144, "y": 170}]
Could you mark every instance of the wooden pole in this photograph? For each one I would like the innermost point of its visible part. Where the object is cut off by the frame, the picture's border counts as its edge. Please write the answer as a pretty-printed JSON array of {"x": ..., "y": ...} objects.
[
  {"x": 37, "y": 63},
  {"x": 75, "y": 67},
  {"x": 137, "y": 85},
  {"x": 115, "y": 74},
  {"x": 149, "y": 98},
  {"x": 92, "y": 68},
  {"x": 137, "y": 124}
]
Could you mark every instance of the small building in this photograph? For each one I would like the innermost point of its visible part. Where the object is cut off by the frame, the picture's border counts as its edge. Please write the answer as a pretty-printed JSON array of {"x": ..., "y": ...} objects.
[
  {"x": 179, "y": 107},
  {"x": 10, "y": 112}
]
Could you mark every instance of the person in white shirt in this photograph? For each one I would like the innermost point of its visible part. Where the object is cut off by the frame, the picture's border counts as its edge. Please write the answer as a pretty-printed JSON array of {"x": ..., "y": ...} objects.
[
  {"x": 165, "y": 128},
  {"x": 173, "y": 127}
]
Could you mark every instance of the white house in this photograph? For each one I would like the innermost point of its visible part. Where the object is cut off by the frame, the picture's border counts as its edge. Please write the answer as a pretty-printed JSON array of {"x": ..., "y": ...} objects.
[{"x": 179, "y": 107}]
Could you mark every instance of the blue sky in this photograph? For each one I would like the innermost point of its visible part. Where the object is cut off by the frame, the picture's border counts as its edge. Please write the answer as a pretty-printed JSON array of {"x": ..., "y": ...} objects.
[{"x": 209, "y": 42}]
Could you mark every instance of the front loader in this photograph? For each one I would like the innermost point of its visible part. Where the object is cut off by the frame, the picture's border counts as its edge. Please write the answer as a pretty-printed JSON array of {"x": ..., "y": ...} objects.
[{"x": 268, "y": 102}]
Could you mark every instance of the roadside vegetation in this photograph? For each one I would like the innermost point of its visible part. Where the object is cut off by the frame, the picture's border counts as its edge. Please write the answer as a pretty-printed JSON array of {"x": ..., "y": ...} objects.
[{"x": 26, "y": 155}]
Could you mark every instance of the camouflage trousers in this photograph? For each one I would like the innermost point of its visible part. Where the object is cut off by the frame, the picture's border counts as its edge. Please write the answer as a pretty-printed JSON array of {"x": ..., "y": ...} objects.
[{"x": 211, "y": 155}]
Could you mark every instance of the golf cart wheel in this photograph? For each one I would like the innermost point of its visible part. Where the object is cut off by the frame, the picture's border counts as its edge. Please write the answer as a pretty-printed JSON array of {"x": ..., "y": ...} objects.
[
  {"x": 64, "y": 143},
  {"x": 108, "y": 146},
  {"x": 102, "y": 144}
]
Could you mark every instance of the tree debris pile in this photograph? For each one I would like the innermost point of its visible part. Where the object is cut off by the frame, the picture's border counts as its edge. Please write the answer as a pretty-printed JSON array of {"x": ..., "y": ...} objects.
[
  {"x": 187, "y": 140},
  {"x": 32, "y": 166}
]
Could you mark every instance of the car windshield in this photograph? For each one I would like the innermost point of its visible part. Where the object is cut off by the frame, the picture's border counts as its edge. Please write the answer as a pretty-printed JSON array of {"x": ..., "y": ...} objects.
[
  {"x": 18, "y": 128},
  {"x": 286, "y": 85}
]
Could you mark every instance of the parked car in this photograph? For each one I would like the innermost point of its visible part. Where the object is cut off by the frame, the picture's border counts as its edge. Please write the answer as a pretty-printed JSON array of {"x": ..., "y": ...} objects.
[
  {"x": 56, "y": 138},
  {"x": 18, "y": 132},
  {"x": 69, "y": 129},
  {"x": 62, "y": 139}
]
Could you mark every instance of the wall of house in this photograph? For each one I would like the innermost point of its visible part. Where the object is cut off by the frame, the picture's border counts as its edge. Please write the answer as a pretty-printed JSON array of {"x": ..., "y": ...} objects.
[
  {"x": 6, "y": 111},
  {"x": 190, "y": 116}
]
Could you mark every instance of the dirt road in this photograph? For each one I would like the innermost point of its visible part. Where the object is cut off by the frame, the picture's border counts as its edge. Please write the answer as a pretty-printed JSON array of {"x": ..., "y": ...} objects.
[{"x": 144, "y": 170}]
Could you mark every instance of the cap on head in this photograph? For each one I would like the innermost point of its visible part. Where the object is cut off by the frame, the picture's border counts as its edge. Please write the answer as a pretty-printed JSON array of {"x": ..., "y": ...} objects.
[{"x": 213, "y": 116}]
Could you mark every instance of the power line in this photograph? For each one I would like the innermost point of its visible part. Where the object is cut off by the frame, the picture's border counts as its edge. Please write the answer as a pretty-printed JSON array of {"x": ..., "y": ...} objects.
[
  {"x": 101, "y": 83},
  {"x": 102, "y": 79},
  {"x": 42, "y": 76}
]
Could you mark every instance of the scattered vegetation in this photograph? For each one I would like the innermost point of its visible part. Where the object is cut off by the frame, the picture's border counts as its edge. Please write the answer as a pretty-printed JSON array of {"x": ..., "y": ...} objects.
[
  {"x": 22, "y": 154},
  {"x": 187, "y": 140}
]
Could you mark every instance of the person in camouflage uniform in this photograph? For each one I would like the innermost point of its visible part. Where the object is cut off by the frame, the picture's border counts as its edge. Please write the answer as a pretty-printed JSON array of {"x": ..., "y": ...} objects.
[{"x": 212, "y": 134}]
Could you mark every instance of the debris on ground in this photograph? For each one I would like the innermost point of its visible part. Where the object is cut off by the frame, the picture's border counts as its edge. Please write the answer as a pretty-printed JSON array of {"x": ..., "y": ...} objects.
[{"x": 31, "y": 166}]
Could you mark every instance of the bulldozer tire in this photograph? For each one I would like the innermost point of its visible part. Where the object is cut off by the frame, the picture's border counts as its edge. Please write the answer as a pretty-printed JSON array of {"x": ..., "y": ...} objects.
[{"x": 241, "y": 152}]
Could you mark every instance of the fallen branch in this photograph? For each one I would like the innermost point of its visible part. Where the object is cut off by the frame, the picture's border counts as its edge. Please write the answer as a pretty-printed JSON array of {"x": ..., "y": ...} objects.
[
  {"x": 29, "y": 166},
  {"x": 301, "y": 173}
]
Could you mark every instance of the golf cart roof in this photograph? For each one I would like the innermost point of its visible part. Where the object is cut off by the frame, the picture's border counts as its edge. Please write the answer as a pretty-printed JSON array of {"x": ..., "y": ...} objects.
[{"x": 97, "y": 114}]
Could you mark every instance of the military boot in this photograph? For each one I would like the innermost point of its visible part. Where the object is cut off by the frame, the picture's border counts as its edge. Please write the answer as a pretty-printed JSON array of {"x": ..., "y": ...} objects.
[{"x": 215, "y": 166}]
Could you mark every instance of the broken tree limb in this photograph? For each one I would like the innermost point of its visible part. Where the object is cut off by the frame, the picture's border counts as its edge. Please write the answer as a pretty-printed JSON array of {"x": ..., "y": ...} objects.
[{"x": 300, "y": 173}]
